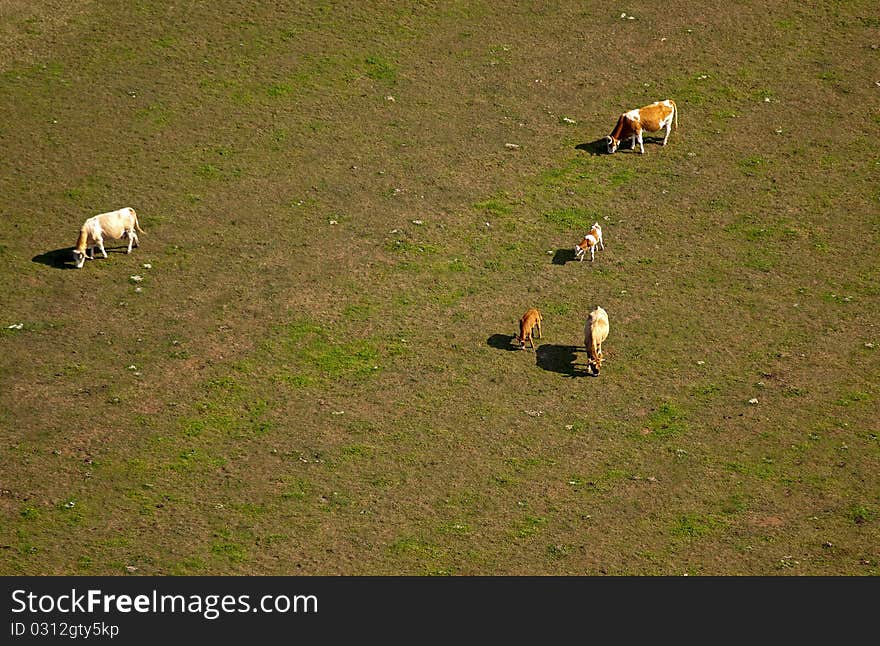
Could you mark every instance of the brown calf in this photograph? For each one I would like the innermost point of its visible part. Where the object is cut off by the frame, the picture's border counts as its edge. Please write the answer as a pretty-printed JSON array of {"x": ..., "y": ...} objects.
[{"x": 530, "y": 321}]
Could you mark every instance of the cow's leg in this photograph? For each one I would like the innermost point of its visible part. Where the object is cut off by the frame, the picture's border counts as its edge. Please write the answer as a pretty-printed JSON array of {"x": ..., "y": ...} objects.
[
  {"x": 90, "y": 253},
  {"x": 632, "y": 142},
  {"x": 641, "y": 146},
  {"x": 100, "y": 242},
  {"x": 668, "y": 130},
  {"x": 539, "y": 329},
  {"x": 132, "y": 240}
]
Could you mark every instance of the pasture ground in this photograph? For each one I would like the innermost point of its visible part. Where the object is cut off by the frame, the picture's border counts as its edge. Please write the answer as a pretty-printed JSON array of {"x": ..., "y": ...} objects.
[{"x": 315, "y": 376}]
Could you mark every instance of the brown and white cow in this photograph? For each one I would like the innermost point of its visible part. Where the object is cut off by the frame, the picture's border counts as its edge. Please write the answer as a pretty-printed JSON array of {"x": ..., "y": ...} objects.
[
  {"x": 595, "y": 332},
  {"x": 115, "y": 225},
  {"x": 529, "y": 322},
  {"x": 651, "y": 118},
  {"x": 590, "y": 242}
]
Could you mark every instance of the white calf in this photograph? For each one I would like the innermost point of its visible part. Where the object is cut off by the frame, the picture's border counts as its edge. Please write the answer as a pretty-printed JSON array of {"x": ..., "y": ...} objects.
[
  {"x": 595, "y": 332},
  {"x": 115, "y": 225}
]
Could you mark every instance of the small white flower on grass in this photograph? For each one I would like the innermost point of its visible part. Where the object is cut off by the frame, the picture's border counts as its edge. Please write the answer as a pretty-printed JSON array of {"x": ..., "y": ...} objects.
[
  {"x": 15, "y": 326},
  {"x": 390, "y": 98},
  {"x": 753, "y": 400},
  {"x": 337, "y": 412},
  {"x": 147, "y": 265},
  {"x": 136, "y": 278},
  {"x": 535, "y": 413},
  {"x": 869, "y": 345},
  {"x": 70, "y": 504},
  {"x": 567, "y": 120},
  {"x": 334, "y": 222},
  {"x": 131, "y": 568},
  {"x": 512, "y": 146},
  {"x": 138, "y": 289},
  {"x": 418, "y": 222},
  {"x": 132, "y": 367}
]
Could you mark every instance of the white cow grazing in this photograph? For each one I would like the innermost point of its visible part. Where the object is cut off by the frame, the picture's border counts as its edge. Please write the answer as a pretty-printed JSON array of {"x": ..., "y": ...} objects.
[
  {"x": 115, "y": 225},
  {"x": 595, "y": 332},
  {"x": 593, "y": 238}
]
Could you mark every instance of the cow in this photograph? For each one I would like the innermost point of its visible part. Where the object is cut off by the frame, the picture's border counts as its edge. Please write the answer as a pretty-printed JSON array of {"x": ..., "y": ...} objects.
[
  {"x": 529, "y": 322},
  {"x": 595, "y": 332},
  {"x": 651, "y": 118},
  {"x": 590, "y": 241},
  {"x": 115, "y": 225}
]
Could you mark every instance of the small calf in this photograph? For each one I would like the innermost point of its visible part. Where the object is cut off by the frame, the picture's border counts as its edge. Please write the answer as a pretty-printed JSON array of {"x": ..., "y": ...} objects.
[
  {"x": 530, "y": 321},
  {"x": 595, "y": 332},
  {"x": 115, "y": 225},
  {"x": 590, "y": 241}
]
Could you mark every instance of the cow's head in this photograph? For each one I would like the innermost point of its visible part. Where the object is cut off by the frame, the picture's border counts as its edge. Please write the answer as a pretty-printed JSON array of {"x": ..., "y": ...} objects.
[
  {"x": 612, "y": 144},
  {"x": 79, "y": 258}
]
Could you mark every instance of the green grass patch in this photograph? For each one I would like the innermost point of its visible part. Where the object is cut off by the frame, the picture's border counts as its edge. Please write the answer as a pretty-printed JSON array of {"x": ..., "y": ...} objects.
[
  {"x": 381, "y": 69},
  {"x": 693, "y": 526},
  {"x": 496, "y": 206},
  {"x": 667, "y": 421},
  {"x": 571, "y": 218},
  {"x": 530, "y": 526}
]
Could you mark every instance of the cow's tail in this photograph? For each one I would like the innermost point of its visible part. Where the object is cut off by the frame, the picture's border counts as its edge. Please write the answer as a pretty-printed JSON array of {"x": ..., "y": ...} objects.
[
  {"x": 82, "y": 239},
  {"x": 136, "y": 223},
  {"x": 674, "y": 113}
]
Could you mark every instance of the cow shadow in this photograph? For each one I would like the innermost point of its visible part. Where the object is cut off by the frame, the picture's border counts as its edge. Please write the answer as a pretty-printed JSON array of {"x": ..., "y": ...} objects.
[
  {"x": 63, "y": 258},
  {"x": 559, "y": 358},
  {"x": 502, "y": 342},
  {"x": 57, "y": 258},
  {"x": 563, "y": 256},
  {"x": 598, "y": 147}
]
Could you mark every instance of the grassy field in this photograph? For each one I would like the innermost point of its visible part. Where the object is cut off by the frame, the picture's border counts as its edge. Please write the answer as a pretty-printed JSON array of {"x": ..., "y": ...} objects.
[{"x": 307, "y": 367}]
